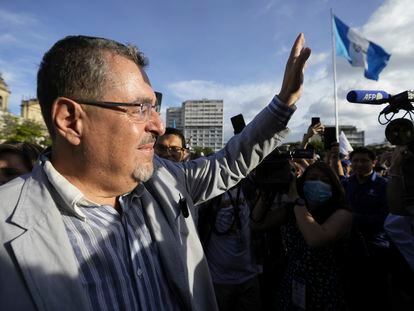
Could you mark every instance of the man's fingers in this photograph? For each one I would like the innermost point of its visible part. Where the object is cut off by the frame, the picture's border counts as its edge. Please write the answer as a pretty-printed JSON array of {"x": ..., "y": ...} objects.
[
  {"x": 304, "y": 55},
  {"x": 297, "y": 46}
]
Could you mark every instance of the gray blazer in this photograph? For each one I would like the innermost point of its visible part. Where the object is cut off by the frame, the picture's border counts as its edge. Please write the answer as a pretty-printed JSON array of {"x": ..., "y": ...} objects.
[{"x": 38, "y": 270}]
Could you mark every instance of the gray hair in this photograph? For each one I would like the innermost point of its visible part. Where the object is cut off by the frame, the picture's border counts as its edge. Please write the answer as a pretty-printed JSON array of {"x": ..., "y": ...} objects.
[{"x": 76, "y": 67}]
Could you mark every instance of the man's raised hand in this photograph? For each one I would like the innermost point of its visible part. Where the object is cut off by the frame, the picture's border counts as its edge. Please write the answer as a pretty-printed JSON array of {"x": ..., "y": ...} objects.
[{"x": 291, "y": 89}]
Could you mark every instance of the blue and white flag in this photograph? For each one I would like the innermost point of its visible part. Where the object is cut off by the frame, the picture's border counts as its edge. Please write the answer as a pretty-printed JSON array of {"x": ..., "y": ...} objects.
[{"x": 359, "y": 51}]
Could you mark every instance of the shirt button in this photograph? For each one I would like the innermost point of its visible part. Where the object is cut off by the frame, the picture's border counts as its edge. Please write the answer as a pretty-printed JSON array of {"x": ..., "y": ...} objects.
[{"x": 139, "y": 272}]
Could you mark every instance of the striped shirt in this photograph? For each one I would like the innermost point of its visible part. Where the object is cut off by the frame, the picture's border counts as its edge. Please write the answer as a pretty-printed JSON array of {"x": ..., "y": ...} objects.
[{"x": 118, "y": 260}]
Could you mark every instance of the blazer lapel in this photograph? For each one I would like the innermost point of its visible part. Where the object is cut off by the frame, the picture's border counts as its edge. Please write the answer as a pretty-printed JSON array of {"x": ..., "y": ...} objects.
[
  {"x": 43, "y": 251},
  {"x": 163, "y": 225}
]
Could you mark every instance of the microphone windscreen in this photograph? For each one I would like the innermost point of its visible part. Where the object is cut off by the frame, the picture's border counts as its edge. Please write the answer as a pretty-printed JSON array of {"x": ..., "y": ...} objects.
[{"x": 367, "y": 97}]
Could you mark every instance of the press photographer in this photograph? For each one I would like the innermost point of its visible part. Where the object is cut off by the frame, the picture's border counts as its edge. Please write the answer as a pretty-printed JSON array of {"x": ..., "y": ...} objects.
[{"x": 399, "y": 198}]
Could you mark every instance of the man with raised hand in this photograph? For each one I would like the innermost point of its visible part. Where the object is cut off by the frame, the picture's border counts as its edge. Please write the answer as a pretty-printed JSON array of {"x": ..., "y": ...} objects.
[{"x": 100, "y": 223}]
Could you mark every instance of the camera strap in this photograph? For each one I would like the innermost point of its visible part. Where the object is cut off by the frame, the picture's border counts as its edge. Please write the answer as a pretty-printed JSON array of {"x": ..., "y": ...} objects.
[
  {"x": 236, "y": 224},
  {"x": 236, "y": 207}
]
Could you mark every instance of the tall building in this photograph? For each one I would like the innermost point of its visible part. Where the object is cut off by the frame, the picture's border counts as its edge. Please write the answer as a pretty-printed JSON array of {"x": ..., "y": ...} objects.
[
  {"x": 356, "y": 138},
  {"x": 174, "y": 118},
  {"x": 203, "y": 123},
  {"x": 200, "y": 120},
  {"x": 4, "y": 95}
]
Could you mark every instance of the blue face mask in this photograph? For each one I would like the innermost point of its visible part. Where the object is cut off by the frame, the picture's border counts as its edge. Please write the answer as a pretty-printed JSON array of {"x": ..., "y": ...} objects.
[{"x": 317, "y": 192}]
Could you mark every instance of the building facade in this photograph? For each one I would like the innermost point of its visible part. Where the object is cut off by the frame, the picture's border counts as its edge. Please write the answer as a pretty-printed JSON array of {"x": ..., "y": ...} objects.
[
  {"x": 201, "y": 122},
  {"x": 4, "y": 95},
  {"x": 356, "y": 138},
  {"x": 30, "y": 110},
  {"x": 174, "y": 118}
]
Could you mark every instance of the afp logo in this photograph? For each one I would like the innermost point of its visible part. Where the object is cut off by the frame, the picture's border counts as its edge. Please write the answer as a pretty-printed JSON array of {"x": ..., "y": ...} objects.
[{"x": 372, "y": 96}]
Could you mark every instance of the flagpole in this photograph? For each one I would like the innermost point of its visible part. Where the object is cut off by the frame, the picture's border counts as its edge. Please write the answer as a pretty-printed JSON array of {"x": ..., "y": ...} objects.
[{"x": 334, "y": 76}]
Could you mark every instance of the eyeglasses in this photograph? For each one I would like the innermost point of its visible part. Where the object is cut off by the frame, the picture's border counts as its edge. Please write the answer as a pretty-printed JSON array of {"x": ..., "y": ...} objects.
[
  {"x": 138, "y": 112},
  {"x": 172, "y": 149}
]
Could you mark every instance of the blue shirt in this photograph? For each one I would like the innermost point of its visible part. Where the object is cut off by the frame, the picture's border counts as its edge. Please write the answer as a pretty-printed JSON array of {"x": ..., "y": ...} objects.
[{"x": 368, "y": 203}]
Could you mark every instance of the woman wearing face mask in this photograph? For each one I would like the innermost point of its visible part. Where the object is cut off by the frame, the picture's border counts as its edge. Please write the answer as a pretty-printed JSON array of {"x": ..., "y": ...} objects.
[{"x": 313, "y": 236}]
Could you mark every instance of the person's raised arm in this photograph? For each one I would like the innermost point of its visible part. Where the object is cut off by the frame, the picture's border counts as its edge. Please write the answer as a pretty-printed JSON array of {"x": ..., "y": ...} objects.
[
  {"x": 291, "y": 89},
  {"x": 334, "y": 161},
  {"x": 211, "y": 176},
  {"x": 317, "y": 235}
]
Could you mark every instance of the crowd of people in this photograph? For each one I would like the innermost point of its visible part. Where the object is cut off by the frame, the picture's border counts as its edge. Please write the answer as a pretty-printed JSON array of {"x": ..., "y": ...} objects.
[
  {"x": 333, "y": 225},
  {"x": 97, "y": 222}
]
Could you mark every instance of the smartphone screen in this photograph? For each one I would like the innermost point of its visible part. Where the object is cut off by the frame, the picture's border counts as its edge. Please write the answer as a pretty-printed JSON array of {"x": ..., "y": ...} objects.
[
  {"x": 329, "y": 137},
  {"x": 238, "y": 123},
  {"x": 315, "y": 120}
]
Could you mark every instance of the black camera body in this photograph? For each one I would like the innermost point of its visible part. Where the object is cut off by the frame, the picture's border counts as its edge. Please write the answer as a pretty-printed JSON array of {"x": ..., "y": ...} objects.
[
  {"x": 275, "y": 170},
  {"x": 400, "y": 132}
]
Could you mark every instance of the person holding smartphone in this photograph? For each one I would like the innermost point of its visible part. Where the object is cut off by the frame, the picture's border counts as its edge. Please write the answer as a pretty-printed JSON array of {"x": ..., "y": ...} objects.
[{"x": 316, "y": 128}]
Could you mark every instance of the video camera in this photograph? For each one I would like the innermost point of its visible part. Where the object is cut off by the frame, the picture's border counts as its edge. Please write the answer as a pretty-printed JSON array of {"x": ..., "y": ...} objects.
[
  {"x": 398, "y": 132},
  {"x": 275, "y": 168}
]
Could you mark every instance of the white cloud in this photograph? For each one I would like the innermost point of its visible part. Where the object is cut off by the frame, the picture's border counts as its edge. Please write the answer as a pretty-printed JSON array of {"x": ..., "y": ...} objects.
[
  {"x": 391, "y": 27},
  {"x": 383, "y": 27},
  {"x": 246, "y": 99},
  {"x": 266, "y": 9},
  {"x": 22, "y": 42},
  {"x": 12, "y": 19},
  {"x": 282, "y": 50},
  {"x": 318, "y": 58},
  {"x": 7, "y": 38}
]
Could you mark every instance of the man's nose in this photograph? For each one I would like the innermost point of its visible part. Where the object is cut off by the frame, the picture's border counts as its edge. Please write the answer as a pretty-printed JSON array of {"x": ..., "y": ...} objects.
[{"x": 155, "y": 124}]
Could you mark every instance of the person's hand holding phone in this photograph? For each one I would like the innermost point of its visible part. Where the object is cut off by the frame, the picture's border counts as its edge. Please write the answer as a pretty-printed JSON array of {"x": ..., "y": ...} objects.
[{"x": 316, "y": 128}]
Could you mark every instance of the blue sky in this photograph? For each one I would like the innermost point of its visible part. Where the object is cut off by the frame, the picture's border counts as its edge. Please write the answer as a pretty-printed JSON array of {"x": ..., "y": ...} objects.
[{"x": 228, "y": 49}]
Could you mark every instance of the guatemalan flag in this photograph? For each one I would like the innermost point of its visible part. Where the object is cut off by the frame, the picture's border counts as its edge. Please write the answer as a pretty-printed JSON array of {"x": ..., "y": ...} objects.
[{"x": 359, "y": 51}]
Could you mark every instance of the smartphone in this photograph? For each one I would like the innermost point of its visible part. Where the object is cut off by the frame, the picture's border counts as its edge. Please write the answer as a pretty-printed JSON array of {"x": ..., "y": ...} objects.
[
  {"x": 303, "y": 154},
  {"x": 315, "y": 120},
  {"x": 238, "y": 123},
  {"x": 158, "y": 95},
  {"x": 329, "y": 137}
]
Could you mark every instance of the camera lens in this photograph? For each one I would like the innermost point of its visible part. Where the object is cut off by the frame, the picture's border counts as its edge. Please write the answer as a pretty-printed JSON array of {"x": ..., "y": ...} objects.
[{"x": 400, "y": 132}]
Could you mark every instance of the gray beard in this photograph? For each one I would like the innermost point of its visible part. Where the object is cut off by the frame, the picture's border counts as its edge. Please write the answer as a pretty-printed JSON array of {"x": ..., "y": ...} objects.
[{"x": 144, "y": 172}]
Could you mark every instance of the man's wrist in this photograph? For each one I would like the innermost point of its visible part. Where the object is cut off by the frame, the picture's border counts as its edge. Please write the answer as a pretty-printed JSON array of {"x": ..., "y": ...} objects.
[{"x": 280, "y": 110}]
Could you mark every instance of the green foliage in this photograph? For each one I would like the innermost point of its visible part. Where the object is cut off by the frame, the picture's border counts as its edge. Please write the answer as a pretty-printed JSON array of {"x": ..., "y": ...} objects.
[
  {"x": 16, "y": 129},
  {"x": 318, "y": 145},
  {"x": 205, "y": 150}
]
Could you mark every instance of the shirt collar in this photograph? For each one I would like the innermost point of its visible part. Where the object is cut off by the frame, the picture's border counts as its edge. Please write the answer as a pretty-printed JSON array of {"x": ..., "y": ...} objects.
[
  {"x": 74, "y": 198},
  {"x": 372, "y": 177},
  {"x": 71, "y": 196},
  {"x": 127, "y": 199}
]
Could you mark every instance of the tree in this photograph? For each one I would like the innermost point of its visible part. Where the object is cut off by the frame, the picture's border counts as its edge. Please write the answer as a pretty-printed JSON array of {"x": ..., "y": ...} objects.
[
  {"x": 318, "y": 146},
  {"x": 202, "y": 150},
  {"x": 23, "y": 130}
]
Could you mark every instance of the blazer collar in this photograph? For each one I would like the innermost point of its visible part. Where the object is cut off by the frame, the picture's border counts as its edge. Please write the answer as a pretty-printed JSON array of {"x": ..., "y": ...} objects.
[{"x": 43, "y": 251}]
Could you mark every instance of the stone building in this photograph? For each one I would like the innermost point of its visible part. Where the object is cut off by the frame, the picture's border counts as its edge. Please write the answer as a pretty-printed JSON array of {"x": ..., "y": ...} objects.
[
  {"x": 4, "y": 95},
  {"x": 30, "y": 110}
]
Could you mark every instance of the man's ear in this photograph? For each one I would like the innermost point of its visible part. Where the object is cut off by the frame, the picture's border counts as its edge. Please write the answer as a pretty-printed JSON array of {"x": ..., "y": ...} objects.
[{"x": 67, "y": 119}]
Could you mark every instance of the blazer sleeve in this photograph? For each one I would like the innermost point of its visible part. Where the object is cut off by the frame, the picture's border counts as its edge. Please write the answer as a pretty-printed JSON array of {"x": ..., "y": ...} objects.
[{"x": 208, "y": 177}]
